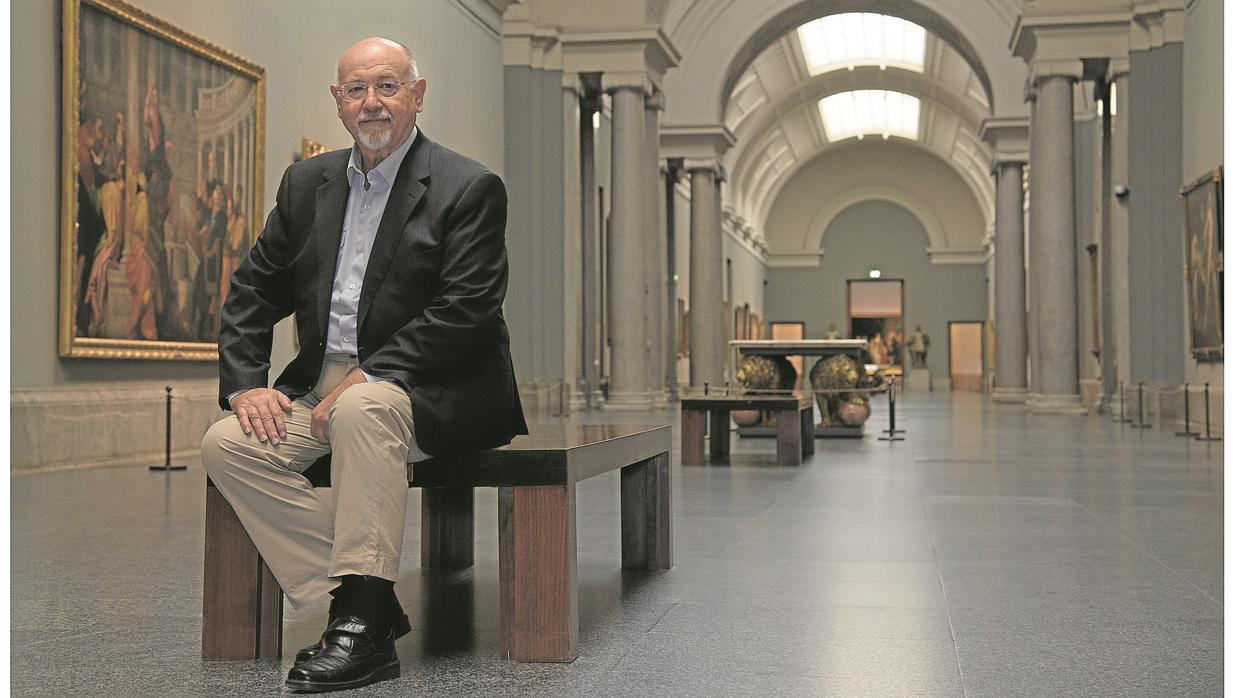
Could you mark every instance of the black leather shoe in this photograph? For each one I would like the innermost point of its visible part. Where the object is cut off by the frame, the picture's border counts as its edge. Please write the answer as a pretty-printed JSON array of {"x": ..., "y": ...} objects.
[
  {"x": 354, "y": 654},
  {"x": 400, "y": 623}
]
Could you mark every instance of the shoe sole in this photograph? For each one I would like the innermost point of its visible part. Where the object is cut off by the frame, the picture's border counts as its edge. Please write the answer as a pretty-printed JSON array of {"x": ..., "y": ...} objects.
[{"x": 383, "y": 673}]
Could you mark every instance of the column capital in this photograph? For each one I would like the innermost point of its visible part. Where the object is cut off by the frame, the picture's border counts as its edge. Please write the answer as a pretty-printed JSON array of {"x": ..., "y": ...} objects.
[
  {"x": 711, "y": 165},
  {"x": 999, "y": 161},
  {"x": 1040, "y": 70},
  {"x": 628, "y": 80},
  {"x": 1008, "y": 136},
  {"x": 571, "y": 82},
  {"x": 695, "y": 142}
]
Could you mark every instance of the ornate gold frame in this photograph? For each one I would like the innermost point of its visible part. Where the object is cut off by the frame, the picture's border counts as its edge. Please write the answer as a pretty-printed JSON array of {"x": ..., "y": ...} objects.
[
  {"x": 90, "y": 347},
  {"x": 1214, "y": 180}
]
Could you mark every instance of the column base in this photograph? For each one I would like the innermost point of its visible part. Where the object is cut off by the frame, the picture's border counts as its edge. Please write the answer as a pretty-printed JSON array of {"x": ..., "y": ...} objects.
[
  {"x": 634, "y": 401},
  {"x": 658, "y": 398},
  {"x": 1017, "y": 396},
  {"x": 1055, "y": 404}
]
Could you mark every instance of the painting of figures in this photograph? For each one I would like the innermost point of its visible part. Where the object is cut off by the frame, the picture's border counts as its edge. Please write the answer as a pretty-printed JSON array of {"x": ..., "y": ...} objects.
[
  {"x": 1203, "y": 231},
  {"x": 162, "y": 161}
]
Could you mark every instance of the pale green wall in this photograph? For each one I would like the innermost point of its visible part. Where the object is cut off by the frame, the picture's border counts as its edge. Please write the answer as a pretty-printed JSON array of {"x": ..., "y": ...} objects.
[
  {"x": 1203, "y": 122},
  {"x": 297, "y": 42},
  {"x": 1156, "y": 215},
  {"x": 534, "y": 147},
  {"x": 883, "y": 235}
]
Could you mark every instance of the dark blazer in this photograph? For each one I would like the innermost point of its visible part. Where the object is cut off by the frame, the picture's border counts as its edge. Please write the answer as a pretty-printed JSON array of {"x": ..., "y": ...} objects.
[{"x": 430, "y": 314}]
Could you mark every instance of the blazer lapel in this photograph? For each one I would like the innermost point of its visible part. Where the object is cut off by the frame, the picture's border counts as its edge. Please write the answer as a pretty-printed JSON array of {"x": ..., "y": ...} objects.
[
  {"x": 407, "y": 191},
  {"x": 331, "y": 198}
]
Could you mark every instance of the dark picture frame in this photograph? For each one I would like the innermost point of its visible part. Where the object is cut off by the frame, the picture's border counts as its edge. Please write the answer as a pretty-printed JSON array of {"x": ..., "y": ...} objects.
[
  {"x": 1203, "y": 268},
  {"x": 161, "y": 180}
]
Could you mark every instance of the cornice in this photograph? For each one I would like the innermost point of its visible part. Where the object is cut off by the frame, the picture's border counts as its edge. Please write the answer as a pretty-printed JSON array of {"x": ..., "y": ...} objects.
[
  {"x": 695, "y": 142},
  {"x": 645, "y": 49}
]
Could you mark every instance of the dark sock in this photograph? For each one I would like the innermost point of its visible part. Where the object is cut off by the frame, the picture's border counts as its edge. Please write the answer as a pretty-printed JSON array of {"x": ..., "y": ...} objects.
[{"x": 370, "y": 598}]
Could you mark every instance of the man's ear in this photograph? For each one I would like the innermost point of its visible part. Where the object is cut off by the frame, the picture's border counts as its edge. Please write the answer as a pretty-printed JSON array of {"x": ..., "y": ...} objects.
[
  {"x": 419, "y": 92},
  {"x": 335, "y": 93}
]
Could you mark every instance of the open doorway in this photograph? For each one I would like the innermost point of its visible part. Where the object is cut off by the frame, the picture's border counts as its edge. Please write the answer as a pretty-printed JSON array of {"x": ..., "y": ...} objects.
[
  {"x": 876, "y": 314},
  {"x": 964, "y": 355},
  {"x": 790, "y": 329}
]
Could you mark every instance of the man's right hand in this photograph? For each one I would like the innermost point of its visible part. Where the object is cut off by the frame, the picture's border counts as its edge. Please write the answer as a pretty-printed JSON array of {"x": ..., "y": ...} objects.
[{"x": 261, "y": 410}]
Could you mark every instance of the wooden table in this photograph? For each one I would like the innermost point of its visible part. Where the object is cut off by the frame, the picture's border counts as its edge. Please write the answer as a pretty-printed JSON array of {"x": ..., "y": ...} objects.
[
  {"x": 794, "y": 425},
  {"x": 536, "y": 476}
]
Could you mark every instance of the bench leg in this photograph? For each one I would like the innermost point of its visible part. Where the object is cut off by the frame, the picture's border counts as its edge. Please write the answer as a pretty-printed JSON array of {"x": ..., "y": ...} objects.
[
  {"x": 807, "y": 431},
  {"x": 538, "y": 573},
  {"x": 720, "y": 436},
  {"x": 692, "y": 437},
  {"x": 646, "y": 514},
  {"x": 242, "y": 605},
  {"x": 448, "y": 527},
  {"x": 788, "y": 437}
]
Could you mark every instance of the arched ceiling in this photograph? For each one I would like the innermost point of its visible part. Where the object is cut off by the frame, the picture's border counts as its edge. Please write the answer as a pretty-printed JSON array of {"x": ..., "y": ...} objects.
[
  {"x": 719, "y": 39},
  {"x": 773, "y": 112}
]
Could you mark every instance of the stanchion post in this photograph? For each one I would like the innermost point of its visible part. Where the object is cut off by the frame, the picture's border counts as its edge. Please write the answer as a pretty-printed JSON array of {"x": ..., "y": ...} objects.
[
  {"x": 167, "y": 466},
  {"x": 1205, "y": 394},
  {"x": 891, "y": 432},
  {"x": 1187, "y": 430},
  {"x": 1122, "y": 418},
  {"x": 1140, "y": 419}
]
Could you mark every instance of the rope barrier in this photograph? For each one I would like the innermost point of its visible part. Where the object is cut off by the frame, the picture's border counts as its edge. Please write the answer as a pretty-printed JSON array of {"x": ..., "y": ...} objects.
[{"x": 784, "y": 391}]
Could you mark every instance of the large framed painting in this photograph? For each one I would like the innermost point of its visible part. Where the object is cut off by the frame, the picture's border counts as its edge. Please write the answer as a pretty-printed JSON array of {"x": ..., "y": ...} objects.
[
  {"x": 161, "y": 183},
  {"x": 1203, "y": 238}
]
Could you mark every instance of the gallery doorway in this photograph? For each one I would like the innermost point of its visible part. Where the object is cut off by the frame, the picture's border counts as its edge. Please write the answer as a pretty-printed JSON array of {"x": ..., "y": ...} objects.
[
  {"x": 876, "y": 314},
  {"x": 964, "y": 355}
]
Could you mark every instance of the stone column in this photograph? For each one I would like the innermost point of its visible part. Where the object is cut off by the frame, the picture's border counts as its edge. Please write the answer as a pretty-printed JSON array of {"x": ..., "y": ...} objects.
[
  {"x": 627, "y": 249},
  {"x": 670, "y": 174},
  {"x": 705, "y": 277},
  {"x": 656, "y": 246},
  {"x": 1054, "y": 255},
  {"x": 1031, "y": 242},
  {"x": 1010, "y": 381},
  {"x": 591, "y": 296},
  {"x": 1115, "y": 245},
  {"x": 573, "y": 243}
]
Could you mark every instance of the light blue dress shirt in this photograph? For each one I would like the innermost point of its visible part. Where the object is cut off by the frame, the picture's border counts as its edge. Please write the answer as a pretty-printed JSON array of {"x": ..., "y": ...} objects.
[{"x": 368, "y": 197}]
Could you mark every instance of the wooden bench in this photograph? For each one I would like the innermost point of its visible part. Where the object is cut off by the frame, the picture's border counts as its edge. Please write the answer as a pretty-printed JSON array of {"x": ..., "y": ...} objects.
[
  {"x": 242, "y": 605},
  {"x": 794, "y": 425}
]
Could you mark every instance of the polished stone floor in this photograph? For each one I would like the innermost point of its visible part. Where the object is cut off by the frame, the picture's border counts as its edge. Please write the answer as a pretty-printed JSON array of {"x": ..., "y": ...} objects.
[{"x": 992, "y": 553}]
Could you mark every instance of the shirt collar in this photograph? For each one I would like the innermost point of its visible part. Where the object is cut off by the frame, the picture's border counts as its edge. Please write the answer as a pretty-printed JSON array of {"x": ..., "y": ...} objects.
[{"x": 388, "y": 167}]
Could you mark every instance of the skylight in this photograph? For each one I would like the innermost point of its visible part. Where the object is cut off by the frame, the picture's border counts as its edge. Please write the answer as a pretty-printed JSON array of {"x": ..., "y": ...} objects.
[
  {"x": 857, "y": 113},
  {"x": 862, "y": 38}
]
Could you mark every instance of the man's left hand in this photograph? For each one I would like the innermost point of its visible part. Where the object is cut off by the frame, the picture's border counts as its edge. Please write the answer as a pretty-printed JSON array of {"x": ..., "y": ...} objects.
[{"x": 320, "y": 416}]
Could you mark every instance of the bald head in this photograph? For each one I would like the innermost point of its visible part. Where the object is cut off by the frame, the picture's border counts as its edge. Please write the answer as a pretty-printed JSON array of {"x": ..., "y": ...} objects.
[
  {"x": 373, "y": 50},
  {"x": 378, "y": 96}
]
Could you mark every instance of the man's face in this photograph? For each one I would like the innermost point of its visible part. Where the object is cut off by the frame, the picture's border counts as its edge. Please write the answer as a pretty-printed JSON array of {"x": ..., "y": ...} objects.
[{"x": 376, "y": 122}]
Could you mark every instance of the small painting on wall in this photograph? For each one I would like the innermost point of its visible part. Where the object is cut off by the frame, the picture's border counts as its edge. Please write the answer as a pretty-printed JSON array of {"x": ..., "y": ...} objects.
[
  {"x": 1203, "y": 238},
  {"x": 161, "y": 183}
]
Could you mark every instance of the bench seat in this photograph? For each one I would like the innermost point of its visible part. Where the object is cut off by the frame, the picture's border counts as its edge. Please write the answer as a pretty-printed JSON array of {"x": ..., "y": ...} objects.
[
  {"x": 536, "y": 476},
  {"x": 794, "y": 425}
]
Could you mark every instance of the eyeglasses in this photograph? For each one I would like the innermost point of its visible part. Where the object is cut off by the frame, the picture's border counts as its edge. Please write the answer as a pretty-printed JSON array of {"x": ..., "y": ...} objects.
[{"x": 353, "y": 91}]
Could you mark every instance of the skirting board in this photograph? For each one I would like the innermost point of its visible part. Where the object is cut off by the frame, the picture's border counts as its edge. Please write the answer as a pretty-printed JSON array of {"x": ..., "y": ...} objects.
[{"x": 107, "y": 425}]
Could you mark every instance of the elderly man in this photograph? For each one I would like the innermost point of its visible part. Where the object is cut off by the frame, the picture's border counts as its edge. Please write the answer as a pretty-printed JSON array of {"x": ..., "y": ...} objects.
[{"x": 391, "y": 257}]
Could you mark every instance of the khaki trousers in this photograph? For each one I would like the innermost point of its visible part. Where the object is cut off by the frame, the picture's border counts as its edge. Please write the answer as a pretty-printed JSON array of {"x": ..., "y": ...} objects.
[{"x": 307, "y": 537}]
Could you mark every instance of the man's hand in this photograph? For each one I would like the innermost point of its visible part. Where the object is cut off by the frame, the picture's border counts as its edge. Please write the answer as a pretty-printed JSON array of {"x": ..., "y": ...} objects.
[
  {"x": 319, "y": 416},
  {"x": 261, "y": 410}
]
